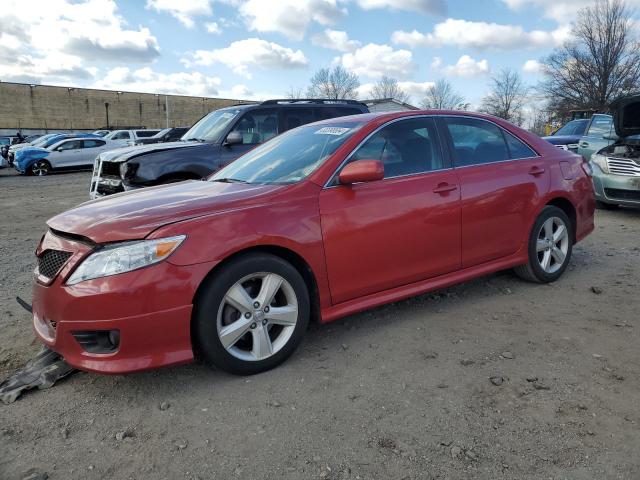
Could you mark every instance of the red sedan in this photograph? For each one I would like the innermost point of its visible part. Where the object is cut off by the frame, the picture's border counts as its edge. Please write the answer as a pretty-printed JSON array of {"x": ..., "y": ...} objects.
[{"x": 323, "y": 221}]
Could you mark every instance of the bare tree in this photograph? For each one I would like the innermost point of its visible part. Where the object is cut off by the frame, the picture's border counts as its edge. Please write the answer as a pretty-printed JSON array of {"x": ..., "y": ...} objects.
[
  {"x": 295, "y": 92},
  {"x": 442, "y": 96},
  {"x": 600, "y": 62},
  {"x": 388, "y": 87},
  {"x": 336, "y": 83},
  {"x": 507, "y": 97}
]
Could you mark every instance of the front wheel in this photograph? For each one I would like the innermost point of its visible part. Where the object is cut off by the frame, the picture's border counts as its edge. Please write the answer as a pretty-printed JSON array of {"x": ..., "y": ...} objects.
[
  {"x": 251, "y": 315},
  {"x": 549, "y": 247},
  {"x": 40, "y": 168}
]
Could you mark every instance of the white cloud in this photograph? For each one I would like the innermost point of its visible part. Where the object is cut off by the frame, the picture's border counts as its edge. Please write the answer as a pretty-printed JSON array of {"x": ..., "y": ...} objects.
[
  {"x": 375, "y": 60},
  {"x": 183, "y": 10},
  {"x": 466, "y": 66},
  {"x": 481, "y": 36},
  {"x": 335, "y": 40},
  {"x": 436, "y": 63},
  {"x": 213, "y": 27},
  {"x": 52, "y": 41},
  {"x": 437, "y": 7},
  {"x": 150, "y": 81},
  {"x": 242, "y": 54},
  {"x": 290, "y": 17},
  {"x": 532, "y": 66}
]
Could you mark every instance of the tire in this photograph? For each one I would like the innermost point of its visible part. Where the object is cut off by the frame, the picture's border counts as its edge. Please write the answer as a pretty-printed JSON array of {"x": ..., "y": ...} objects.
[
  {"x": 40, "y": 168},
  {"x": 606, "y": 206},
  {"x": 256, "y": 338},
  {"x": 544, "y": 255}
]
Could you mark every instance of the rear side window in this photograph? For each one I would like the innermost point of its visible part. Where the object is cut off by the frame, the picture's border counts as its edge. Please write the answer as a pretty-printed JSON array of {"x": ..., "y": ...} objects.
[
  {"x": 405, "y": 147},
  {"x": 600, "y": 125},
  {"x": 71, "y": 145},
  {"x": 323, "y": 113},
  {"x": 476, "y": 141},
  {"x": 258, "y": 126},
  {"x": 294, "y": 117},
  {"x": 518, "y": 149},
  {"x": 146, "y": 133},
  {"x": 93, "y": 143}
]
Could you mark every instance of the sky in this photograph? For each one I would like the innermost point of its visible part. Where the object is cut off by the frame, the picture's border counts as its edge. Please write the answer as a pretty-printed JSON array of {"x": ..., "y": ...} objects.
[{"x": 258, "y": 49}]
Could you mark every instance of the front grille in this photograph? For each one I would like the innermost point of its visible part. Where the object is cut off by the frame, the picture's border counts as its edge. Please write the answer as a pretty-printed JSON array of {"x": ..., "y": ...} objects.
[
  {"x": 111, "y": 169},
  {"x": 623, "y": 166},
  {"x": 51, "y": 261},
  {"x": 619, "y": 194}
]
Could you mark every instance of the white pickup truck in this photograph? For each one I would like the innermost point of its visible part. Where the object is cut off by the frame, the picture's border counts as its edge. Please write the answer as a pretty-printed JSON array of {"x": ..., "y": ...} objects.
[{"x": 123, "y": 137}]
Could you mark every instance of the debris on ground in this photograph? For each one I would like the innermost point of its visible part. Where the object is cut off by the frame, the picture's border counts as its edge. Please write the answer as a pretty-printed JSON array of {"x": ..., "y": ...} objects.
[{"x": 40, "y": 372}]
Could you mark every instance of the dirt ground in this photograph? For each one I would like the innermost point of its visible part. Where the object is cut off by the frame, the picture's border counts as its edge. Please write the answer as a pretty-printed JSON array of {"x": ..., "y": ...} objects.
[{"x": 400, "y": 392}]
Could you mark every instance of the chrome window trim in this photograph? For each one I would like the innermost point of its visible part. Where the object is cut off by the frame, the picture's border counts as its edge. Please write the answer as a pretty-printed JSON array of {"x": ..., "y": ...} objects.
[
  {"x": 408, "y": 117},
  {"x": 503, "y": 130}
]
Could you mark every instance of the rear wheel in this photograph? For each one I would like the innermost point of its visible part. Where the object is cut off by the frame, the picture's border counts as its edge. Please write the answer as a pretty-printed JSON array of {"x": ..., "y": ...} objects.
[
  {"x": 606, "y": 206},
  {"x": 40, "y": 168},
  {"x": 251, "y": 315},
  {"x": 550, "y": 246}
]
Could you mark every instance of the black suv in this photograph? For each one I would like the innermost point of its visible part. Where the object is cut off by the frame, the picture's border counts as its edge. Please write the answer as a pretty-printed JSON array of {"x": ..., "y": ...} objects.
[{"x": 217, "y": 139}]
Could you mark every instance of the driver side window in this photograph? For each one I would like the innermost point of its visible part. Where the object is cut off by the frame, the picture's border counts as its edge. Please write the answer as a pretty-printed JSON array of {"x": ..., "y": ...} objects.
[{"x": 258, "y": 126}]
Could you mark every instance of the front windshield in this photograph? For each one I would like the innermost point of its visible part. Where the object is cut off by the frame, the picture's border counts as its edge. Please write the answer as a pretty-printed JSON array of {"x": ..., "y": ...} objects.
[
  {"x": 574, "y": 127},
  {"x": 289, "y": 157},
  {"x": 212, "y": 127}
]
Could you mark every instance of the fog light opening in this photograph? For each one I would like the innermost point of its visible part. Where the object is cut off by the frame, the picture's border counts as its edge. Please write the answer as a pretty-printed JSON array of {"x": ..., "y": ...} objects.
[{"x": 98, "y": 341}]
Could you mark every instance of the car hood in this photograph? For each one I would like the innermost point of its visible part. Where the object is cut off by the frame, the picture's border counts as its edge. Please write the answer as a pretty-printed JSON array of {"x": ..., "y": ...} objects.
[
  {"x": 127, "y": 153},
  {"x": 562, "y": 139},
  {"x": 135, "y": 214},
  {"x": 626, "y": 115}
]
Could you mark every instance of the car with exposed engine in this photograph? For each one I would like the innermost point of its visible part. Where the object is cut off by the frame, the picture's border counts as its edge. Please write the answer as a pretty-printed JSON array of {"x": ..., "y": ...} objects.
[
  {"x": 616, "y": 167},
  {"x": 214, "y": 141},
  {"x": 323, "y": 221}
]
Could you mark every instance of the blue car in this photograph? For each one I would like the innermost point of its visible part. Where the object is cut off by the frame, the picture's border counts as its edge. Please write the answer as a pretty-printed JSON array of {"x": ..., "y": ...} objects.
[
  {"x": 59, "y": 151},
  {"x": 568, "y": 136}
]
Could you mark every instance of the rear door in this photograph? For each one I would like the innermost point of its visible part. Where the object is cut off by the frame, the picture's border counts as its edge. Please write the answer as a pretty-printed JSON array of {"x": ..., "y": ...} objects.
[
  {"x": 502, "y": 181},
  {"x": 90, "y": 150},
  {"x": 256, "y": 127},
  {"x": 399, "y": 230}
]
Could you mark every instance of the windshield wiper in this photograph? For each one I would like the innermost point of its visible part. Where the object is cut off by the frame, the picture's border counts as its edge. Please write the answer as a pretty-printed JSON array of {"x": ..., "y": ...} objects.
[
  {"x": 229, "y": 180},
  {"x": 194, "y": 139}
]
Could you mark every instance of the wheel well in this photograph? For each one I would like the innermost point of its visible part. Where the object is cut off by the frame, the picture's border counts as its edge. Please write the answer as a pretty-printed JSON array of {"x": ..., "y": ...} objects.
[
  {"x": 567, "y": 207},
  {"x": 290, "y": 256}
]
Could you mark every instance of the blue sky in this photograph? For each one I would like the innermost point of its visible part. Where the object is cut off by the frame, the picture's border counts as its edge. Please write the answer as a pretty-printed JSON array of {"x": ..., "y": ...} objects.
[{"x": 262, "y": 48}]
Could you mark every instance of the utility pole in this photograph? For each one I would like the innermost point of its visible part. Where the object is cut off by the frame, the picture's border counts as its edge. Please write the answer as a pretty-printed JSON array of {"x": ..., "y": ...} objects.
[{"x": 166, "y": 108}]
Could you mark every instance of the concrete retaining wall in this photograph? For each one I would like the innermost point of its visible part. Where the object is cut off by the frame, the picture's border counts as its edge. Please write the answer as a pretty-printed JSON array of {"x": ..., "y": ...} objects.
[{"x": 42, "y": 107}]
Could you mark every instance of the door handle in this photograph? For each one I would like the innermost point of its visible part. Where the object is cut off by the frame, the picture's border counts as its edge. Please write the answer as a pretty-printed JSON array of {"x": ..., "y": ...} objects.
[
  {"x": 535, "y": 171},
  {"x": 443, "y": 188}
]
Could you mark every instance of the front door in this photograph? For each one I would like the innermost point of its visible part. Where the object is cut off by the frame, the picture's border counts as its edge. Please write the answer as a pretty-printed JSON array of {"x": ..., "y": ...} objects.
[
  {"x": 256, "y": 127},
  {"x": 66, "y": 154},
  {"x": 398, "y": 230},
  {"x": 502, "y": 181}
]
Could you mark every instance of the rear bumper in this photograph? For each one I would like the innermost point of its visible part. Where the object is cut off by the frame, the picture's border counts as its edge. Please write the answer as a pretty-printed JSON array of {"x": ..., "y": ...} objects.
[{"x": 616, "y": 189}]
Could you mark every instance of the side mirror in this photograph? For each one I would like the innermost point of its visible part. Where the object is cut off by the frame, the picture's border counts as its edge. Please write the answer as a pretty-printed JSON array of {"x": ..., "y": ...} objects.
[
  {"x": 362, "y": 171},
  {"x": 234, "y": 138},
  {"x": 610, "y": 136}
]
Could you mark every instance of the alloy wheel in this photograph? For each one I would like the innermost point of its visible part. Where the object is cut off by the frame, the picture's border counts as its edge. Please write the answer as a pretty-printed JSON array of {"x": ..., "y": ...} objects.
[
  {"x": 552, "y": 245},
  {"x": 40, "y": 168},
  {"x": 257, "y": 316}
]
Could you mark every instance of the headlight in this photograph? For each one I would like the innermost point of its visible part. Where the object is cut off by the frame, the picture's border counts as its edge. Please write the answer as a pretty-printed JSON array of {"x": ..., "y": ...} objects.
[
  {"x": 600, "y": 161},
  {"x": 124, "y": 257}
]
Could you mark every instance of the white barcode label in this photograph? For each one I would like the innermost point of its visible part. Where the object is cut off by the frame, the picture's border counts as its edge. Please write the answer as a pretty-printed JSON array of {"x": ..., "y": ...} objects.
[{"x": 331, "y": 131}]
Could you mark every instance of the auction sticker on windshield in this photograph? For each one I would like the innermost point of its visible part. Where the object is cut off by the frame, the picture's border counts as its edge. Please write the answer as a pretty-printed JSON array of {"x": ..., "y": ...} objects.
[{"x": 331, "y": 131}]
